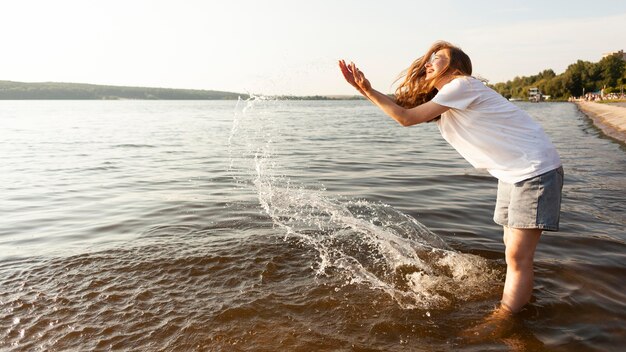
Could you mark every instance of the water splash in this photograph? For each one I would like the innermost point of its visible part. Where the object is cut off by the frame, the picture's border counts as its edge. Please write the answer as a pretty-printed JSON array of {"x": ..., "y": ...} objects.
[{"x": 368, "y": 243}]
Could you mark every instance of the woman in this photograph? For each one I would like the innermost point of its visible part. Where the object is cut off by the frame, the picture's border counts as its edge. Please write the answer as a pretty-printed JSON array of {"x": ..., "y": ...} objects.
[{"x": 491, "y": 133}]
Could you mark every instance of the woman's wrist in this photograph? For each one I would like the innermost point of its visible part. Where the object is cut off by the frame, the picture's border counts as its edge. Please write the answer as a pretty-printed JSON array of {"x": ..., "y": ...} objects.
[{"x": 366, "y": 91}]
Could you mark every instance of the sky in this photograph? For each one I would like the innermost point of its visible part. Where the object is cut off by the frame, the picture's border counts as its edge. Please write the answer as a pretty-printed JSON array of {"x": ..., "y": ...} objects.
[{"x": 291, "y": 47}]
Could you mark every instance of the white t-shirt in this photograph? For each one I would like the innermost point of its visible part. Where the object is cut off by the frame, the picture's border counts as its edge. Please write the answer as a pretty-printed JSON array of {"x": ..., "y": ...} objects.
[{"x": 492, "y": 133}]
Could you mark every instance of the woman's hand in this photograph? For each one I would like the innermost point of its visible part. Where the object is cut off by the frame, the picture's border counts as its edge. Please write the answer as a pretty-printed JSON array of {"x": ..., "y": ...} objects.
[{"x": 355, "y": 77}]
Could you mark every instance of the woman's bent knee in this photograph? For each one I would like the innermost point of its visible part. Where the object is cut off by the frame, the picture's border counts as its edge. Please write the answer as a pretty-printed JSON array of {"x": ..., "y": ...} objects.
[
  {"x": 519, "y": 258},
  {"x": 520, "y": 246}
]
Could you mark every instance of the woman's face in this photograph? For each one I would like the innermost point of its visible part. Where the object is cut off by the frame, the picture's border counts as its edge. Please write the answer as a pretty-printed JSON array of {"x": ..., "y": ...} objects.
[{"x": 436, "y": 64}]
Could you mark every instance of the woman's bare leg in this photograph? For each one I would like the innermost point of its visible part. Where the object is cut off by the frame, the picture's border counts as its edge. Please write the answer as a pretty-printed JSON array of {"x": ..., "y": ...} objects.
[
  {"x": 518, "y": 287},
  {"x": 520, "y": 253}
]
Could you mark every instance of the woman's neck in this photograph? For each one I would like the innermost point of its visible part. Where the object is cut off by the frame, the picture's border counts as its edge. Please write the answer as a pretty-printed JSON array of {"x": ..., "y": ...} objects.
[{"x": 443, "y": 81}]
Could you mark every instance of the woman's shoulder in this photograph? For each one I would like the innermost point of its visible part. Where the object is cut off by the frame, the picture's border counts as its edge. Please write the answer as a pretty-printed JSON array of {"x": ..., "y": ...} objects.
[
  {"x": 469, "y": 80},
  {"x": 462, "y": 82},
  {"x": 459, "y": 81}
]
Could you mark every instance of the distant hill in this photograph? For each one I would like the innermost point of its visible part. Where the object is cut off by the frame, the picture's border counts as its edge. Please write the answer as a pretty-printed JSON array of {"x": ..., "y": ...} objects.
[
  {"x": 10, "y": 90},
  {"x": 78, "y": 91}
]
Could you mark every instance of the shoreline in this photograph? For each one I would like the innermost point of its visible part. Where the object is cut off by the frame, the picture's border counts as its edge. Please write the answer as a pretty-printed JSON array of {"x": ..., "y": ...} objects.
[{"x": 611, "y": 120}]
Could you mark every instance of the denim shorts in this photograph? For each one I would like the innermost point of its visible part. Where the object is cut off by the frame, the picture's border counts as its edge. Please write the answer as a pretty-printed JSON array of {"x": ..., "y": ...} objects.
[{"x": 534, "y": 203}]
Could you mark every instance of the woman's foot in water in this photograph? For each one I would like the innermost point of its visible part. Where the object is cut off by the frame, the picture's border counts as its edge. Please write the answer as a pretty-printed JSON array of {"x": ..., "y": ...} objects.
[{"x": 498, "y": 324}]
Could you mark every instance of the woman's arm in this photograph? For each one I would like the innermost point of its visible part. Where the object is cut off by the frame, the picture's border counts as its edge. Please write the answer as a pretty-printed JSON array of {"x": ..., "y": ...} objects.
[{"x": 405, "y": 117}]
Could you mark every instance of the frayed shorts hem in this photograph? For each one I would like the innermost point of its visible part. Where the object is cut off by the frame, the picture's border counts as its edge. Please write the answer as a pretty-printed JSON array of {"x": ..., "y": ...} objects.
[{"x": 532, "y": 226}]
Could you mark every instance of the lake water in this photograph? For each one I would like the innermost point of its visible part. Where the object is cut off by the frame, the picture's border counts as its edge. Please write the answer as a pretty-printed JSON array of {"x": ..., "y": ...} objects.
[{"x": 267, "y": 225}]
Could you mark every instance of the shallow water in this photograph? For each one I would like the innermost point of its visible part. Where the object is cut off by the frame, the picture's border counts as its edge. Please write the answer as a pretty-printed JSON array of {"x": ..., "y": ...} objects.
[{"x": 272, "y": 225}]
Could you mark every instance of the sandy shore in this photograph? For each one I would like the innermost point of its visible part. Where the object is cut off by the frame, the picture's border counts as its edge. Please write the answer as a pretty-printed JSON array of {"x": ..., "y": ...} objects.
[{"x": 609, "y": 118}]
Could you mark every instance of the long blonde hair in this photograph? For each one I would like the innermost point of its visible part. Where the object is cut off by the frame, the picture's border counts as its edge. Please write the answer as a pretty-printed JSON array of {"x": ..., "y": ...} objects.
[{"x": 416, "y": 89}]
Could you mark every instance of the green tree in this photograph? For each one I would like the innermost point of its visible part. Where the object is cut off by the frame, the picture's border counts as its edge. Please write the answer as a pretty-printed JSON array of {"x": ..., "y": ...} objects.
[
  {"x": 573, "y": 78},
  {"x": 612, "y": 70}
]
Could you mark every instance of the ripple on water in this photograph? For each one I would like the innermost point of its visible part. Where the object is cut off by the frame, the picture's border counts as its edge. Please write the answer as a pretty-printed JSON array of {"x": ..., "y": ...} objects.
[
  {"x": 167, "y": 232},
  {"x": 198, "y": 286}
]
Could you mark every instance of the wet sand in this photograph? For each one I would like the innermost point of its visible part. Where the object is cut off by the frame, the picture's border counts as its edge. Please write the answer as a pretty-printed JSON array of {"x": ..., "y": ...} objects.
[{"x": 611, "y": 119}]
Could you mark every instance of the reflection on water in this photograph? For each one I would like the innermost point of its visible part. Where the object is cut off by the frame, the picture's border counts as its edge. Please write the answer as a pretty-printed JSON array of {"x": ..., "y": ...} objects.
[{"x": 286, "y": 226}]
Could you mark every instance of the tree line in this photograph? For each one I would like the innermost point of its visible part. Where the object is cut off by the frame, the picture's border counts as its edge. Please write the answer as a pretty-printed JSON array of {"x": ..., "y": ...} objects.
[{"x": 579, "y": 78}]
